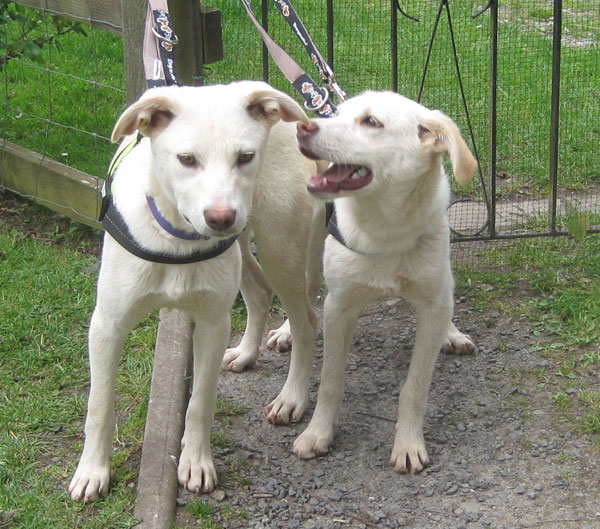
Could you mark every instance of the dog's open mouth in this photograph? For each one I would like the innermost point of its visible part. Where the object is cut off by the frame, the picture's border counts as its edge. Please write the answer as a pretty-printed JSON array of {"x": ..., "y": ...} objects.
[{"x": 340, "y": 177}]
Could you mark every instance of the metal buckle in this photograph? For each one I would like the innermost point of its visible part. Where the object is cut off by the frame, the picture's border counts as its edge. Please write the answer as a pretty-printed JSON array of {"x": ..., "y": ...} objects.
[
  {"x": 325, "y": 99},
  {"x": 333, "y": 84},
  {"x": 165, "y": 39}
]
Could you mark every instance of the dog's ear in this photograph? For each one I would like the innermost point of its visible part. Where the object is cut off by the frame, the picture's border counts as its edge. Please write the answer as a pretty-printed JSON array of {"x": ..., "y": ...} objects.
[
  {"x": 150, "y": 114},
  {"x": 272, "y": 105},
  {"x": 440, "y": 134}
]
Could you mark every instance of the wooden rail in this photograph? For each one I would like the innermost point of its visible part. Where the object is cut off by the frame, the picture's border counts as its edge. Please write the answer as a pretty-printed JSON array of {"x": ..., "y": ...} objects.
[
  {"x": 105, "y": 14},
  {"x": 50, "y": 183}
]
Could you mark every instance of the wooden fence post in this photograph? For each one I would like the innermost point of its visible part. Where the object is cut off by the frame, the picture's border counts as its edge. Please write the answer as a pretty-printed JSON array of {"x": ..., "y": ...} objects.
[
  {"x": 134, "y": 19},
  {"x": 185, "y": 18}
]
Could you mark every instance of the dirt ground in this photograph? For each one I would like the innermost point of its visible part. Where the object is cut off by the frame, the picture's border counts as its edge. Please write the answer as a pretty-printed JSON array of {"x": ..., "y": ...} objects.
[{"x": 501, "y": 457}]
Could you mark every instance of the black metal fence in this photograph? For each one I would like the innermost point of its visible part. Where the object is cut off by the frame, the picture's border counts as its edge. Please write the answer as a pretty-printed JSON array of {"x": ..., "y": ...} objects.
[{"x": 521, "y": 77}]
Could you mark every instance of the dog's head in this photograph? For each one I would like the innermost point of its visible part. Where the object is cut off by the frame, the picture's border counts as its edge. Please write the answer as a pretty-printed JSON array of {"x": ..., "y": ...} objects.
[
  {"x": 381, "y": 136},
  {"x": 207, "y": 147}
]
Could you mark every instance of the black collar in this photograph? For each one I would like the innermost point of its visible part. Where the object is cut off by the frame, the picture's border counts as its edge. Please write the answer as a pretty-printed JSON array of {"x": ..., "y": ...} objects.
[{"x": 114, "y": 224}]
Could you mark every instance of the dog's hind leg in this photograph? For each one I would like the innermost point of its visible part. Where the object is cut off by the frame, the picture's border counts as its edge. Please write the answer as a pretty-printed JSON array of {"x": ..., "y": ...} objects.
[
  {"x": 281, "y": 339},
  {"x": 196, "y": 470},
  {"x": 257, "y": 296}
]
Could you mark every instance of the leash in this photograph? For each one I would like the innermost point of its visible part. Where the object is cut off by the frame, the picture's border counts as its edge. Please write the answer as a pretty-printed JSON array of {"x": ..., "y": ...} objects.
[
  {"x": 160, "y": 70},
  {"x": 316, "y": 98}
]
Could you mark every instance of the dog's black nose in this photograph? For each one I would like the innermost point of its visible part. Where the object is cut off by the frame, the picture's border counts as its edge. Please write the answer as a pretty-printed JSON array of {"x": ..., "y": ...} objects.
[
  {"x": 219, "y": 219},
  {"x": 306, "y": 130}
]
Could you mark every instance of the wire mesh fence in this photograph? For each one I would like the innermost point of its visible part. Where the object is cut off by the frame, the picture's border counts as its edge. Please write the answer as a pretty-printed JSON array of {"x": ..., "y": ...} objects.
[
  {"x": 494, "y": 67},
  {"x": 61, "y": 89}
]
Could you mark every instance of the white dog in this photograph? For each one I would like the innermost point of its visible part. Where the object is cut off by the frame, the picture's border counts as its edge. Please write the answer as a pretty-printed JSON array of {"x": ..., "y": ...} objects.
[
  {"x": 217, "y": 158},
  {"x": 391, "y": 196}
]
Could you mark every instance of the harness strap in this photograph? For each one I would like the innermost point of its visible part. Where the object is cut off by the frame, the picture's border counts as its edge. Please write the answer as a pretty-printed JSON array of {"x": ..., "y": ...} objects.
[
  {"x": 115, "y": 225},
  {"x": 333, "y": 228}
]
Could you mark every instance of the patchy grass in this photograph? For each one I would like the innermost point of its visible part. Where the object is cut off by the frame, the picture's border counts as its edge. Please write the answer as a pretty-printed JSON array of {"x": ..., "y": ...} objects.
[
  {"x": 45, "y": 304},
  {"x": 555, "y": 285}
]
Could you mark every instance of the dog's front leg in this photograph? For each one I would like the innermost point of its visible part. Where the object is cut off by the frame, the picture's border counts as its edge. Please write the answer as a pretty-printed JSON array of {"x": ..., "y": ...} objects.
[
  {"x": 196, "y": 470},
  {"x": 409, "y": 453},
  {"x": 340, "y": 315},
  {"x": 106, "y": 336}
]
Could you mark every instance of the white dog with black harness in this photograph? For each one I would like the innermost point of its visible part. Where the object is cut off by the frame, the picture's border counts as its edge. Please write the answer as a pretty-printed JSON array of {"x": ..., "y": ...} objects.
[{"x": 209, "y": 164}]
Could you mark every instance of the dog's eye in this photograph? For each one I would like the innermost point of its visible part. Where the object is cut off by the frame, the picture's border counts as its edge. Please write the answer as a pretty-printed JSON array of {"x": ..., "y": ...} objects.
[
  {"x": 245, "y": 158},
  {"x": 372, "y": 122},
  {"x": 187, "y": 160}
]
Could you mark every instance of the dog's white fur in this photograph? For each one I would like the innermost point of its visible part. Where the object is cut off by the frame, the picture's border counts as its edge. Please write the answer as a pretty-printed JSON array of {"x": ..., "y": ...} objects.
[
  {"x": 198, "y": 168},
  {"x": 398, "y": 230}
]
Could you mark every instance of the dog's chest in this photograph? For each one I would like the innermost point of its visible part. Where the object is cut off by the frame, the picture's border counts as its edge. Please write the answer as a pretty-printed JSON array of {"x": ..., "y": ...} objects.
[{"x": 185, "y": 286}]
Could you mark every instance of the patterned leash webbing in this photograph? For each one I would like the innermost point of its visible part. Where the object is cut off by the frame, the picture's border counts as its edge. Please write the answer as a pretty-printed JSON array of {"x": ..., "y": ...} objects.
[
  {"x": 316, "y": 98},
  {"x": 159, "y": 46}
]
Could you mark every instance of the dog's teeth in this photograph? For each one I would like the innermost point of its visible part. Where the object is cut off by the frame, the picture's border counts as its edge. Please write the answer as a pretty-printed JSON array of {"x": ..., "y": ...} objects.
[{"x": 359, "y": 173}]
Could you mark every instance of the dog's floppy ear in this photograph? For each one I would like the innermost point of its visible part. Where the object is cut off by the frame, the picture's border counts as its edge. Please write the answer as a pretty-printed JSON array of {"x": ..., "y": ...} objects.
[
  {"x": 442, "y": 135},
  {"x": 150, "y": 114},
  {"x": 272, "y": 105}
]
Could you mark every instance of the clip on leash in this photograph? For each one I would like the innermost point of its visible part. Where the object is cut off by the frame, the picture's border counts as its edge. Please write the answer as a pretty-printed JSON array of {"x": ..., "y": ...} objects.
[{"x": 316, "y": 98}]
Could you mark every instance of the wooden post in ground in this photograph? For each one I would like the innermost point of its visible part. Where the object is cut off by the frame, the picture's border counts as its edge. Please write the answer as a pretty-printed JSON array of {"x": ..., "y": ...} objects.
[{"x": 157, "y": 484}]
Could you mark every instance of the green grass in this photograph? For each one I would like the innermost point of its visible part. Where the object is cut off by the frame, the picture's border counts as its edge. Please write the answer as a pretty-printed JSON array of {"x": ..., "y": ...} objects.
[
  {"x": 554, "y": 284},
  {"x": 45, "y": 303},
  {"x": 205, "y": 514},
  {"x": 69, "y": 115}
]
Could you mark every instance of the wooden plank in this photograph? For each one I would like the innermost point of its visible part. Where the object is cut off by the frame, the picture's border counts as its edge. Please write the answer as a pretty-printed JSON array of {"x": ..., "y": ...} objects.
[
  {"x": 134, "y": 22},
  {"x": 50, "y": 183},
  {"x": 105, "y": 14}
]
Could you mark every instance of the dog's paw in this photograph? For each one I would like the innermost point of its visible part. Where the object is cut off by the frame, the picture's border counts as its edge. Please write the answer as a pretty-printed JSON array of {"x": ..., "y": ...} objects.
[
  {"x": 196, "y": 473},
  {"x": 237, "y": 359},
  {"x": 286, "y": 408},
  {"x": 409, "y": 455},
  {"x": 280, "y": 339},
  {"x": 459, "y": 344},
  {"x": 311, "y": 443},
  {"x": 89, "y": 482}
]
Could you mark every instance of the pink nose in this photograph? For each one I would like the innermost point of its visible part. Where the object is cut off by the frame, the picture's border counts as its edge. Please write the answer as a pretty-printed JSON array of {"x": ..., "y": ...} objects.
[
  {"x": 219, "y": 219},
  {"x": 306, "y": 130}
]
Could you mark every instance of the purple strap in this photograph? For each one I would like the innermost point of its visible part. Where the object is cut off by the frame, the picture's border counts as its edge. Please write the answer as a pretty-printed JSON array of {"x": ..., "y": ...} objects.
[{"x": 169, "y": 228}]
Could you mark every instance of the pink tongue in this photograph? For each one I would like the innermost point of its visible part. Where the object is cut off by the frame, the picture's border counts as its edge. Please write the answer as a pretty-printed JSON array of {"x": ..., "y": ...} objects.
[{"x": 338, "y": 173}]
